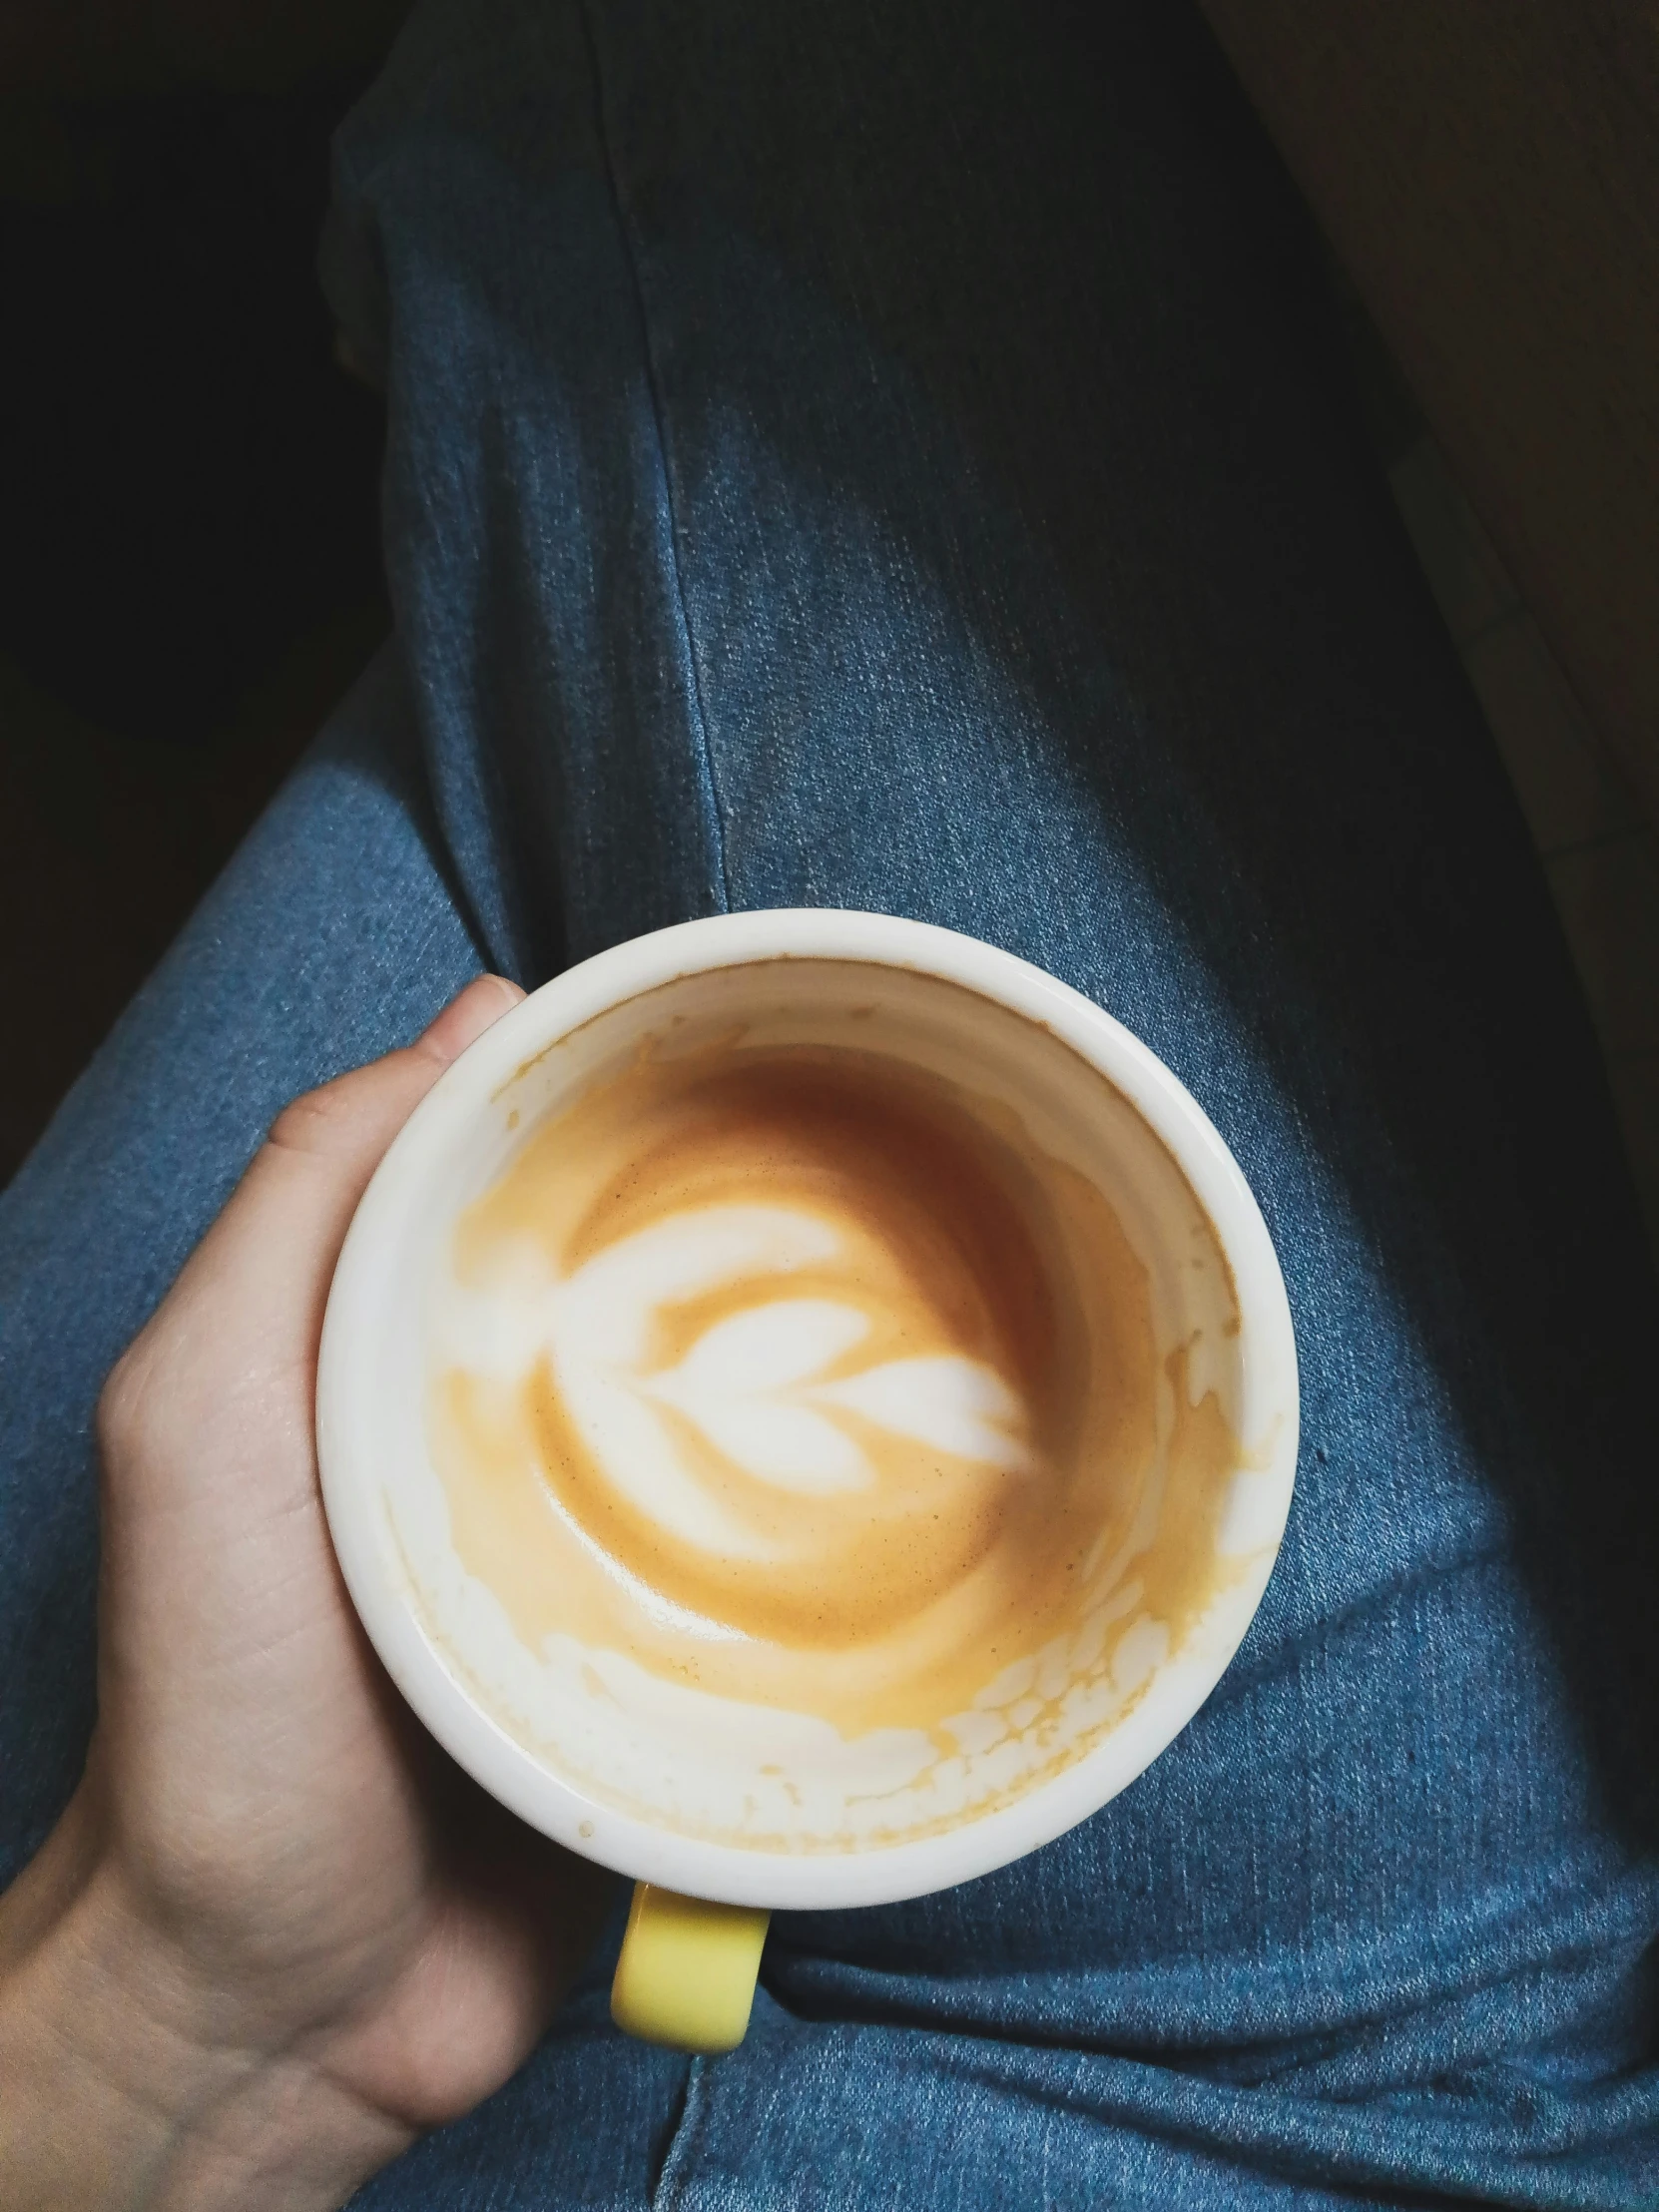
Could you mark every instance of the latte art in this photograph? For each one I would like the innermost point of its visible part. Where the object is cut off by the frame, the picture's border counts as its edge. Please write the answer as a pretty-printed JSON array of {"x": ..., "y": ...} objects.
[
  {"x": 740, "y": 1479},
  {"x": 794, "y": 1377},
  {"x": 753, "y": 1387}
]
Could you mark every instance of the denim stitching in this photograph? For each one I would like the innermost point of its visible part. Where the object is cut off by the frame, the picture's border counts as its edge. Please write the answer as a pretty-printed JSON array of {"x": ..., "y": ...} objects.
[
  {"x": 630, "y": 256},
  {"x": 676, "y": 2173}
]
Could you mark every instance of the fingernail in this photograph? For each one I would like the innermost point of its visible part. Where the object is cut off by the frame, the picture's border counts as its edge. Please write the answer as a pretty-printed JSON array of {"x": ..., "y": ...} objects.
[{"x": 468, "y": 1014}]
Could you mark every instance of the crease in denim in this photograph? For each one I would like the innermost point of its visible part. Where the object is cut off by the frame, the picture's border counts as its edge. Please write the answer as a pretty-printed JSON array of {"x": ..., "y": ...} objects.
[
  {"x": 659, "y": 418},
  {"x": 679, "y": 2160}
]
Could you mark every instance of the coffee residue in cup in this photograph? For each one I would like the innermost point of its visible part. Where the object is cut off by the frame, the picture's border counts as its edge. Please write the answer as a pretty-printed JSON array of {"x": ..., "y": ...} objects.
[{"x": 808, "y": 1379}]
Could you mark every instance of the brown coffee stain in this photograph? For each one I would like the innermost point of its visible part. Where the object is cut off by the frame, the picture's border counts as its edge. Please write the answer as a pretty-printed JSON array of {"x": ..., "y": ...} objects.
[{"x": 892, "y": 1605}]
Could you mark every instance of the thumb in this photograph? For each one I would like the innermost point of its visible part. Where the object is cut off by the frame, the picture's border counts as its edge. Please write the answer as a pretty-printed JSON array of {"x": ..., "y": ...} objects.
[
  {"x": 347, "y": 1124},
  {"x": 248, "y": 1306}
]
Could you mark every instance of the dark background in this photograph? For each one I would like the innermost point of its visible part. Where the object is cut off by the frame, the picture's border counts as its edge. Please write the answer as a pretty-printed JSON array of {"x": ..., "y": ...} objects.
[{"x": 189, "y": 553}]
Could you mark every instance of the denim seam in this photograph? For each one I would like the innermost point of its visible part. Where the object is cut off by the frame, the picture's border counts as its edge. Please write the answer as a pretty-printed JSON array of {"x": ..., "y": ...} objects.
[
  {"x": 653, "y": 387},
  {"x": 677, "y": 2166}
]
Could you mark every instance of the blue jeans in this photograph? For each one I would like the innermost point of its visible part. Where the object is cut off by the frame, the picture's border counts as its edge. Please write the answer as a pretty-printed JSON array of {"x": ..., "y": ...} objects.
[{"x": 898, "y": 459}]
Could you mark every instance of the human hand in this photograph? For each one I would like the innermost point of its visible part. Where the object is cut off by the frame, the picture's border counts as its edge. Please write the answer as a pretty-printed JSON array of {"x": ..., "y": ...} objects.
[{"x": 277, "y": 1934}]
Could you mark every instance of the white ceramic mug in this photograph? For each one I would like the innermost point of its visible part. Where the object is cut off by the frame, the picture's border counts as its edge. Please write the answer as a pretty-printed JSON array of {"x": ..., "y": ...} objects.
[{"x": 651, "y": 1782}]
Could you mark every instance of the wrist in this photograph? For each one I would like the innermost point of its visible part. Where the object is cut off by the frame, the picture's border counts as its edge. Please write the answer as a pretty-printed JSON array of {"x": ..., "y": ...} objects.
[{"x": 130, "y": 2085}]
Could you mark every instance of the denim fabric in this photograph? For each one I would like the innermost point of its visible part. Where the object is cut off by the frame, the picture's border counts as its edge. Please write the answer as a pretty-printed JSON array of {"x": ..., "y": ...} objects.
[{"x": 898, "y": 459}]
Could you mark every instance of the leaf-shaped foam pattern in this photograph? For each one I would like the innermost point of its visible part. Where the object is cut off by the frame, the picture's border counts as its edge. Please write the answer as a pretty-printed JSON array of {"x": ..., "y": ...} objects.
[
  {"x": 748, "y": 1382},
  {"x": 791, "y": 1447},
  {"x": 767, "y": 1348},
  {"x": 947, "y": 1402},
  {"x": 611, "y": 1300}
]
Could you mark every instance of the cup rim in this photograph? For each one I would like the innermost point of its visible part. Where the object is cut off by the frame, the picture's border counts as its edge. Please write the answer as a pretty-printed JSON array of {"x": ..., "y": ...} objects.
[{"x": 352, "y": 1475}]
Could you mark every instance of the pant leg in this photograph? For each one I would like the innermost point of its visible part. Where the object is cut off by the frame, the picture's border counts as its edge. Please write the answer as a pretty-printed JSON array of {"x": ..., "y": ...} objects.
[{"x": 897, "y": 458}]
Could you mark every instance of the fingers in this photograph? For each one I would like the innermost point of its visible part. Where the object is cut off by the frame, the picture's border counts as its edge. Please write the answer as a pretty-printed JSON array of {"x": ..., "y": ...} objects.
[
  {"x": 467, "y": 1017},
  {"x": 247, "y": 1308},
  {"x": 283, "y": 1228},
  {"x": 350, "y": 1121},
  {"x": 277, "y": 1240}
]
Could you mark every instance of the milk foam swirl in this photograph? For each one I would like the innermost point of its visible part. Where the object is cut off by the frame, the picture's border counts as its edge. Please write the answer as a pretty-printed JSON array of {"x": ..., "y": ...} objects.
[
  {"x": 795, "y": 1378},
  {"x": 753, "y": 1385}
]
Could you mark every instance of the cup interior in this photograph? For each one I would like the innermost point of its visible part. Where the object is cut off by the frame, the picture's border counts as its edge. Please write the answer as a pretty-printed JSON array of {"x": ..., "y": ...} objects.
[{"x": 745, "y": 1802}]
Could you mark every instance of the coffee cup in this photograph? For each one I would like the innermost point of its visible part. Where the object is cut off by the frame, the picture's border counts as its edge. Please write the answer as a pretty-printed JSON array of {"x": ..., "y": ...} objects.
[{"x": 806, "y": 1413}]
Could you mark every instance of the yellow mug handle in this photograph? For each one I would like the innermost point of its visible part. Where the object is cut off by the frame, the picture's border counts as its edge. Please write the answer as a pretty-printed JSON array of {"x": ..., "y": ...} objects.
[{"x": 685, "y": 1977}]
